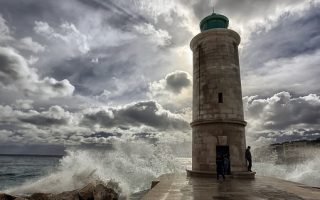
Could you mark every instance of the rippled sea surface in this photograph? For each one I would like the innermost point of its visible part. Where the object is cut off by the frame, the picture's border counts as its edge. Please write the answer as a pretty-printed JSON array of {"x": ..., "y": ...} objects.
[{"x": 15, "y": 170}]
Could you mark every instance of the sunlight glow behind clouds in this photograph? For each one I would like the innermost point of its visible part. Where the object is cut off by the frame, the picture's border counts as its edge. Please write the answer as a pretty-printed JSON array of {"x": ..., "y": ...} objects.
[{"x": 120, "y": 55}]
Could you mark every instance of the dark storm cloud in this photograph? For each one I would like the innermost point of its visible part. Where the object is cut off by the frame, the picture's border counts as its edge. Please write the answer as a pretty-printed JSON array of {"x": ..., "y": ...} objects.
[
  {"x": 293, "y": 34},
  {"x": 143, "y": 113},
  {"x": 201, "y": 8},
  {"x": 103, "y": 134},
  {"x": 16, "y": 123},
  {"x": 12, "y": 67},
  {"x": 151, "y": 114},
  {"x": 300, "y": 134},
  {"x": 102, "y": 117},
  {"x": 59, "y": 126},
  {"x": 150, "y": 137},
  {"x": 54, "y": 116},
  {"x": 282, "y": 111},
  {"x": 126, "y": 17},
  {"x": 92, "y": 78},
  {"x": 123, "y": 16},
  {"x": 121, "y": 70},
  {"x": 177, "y": 27},
  {"x": 283, "y": 54},
  {"x": 21, "y": 14},
  {"x": 43, "y": 120},
  {"x": 241, "y": 9},
  {"x": 15, "y": 72},
  {"x": 173, "y": 92},
  {"x": 178, "y": 80},
  {"x": 99, "y": 45},
  {"x": 273, "y": 137},
  {"x": 115, "y": 53},
  {"x": 281, "y": 117}
]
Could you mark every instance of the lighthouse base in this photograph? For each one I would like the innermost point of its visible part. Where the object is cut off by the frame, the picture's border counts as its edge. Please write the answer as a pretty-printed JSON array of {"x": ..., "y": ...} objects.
[{"x": 244, "y": 175}]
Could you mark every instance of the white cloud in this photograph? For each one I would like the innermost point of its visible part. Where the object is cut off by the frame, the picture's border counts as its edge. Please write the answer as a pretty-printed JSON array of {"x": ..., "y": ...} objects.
[
  {"x": 15, "y": 73},
  {"x": 23, "y": 104},
  {"x": 282, "y": 111},
  {"x": 281, "y": 117},
  {"x": 299, "y": 74},
  {"x": 56, "y": 125},
  {"x": 55, "y": 115},
  {"x": 174, "y": 91},
  {"x": 95, "y": 60},
  {"x": 67, "y": 33},
  {"x": 32, "y": 60},
  {"x": 246, "y": 16},
  {"x": 4, "y": 30},
  {"x": 28, "y": 126},
  {"x": 28, "y": 44},
  {"x": 158, "y": 36},
  {"x": 145, "y": 113},
  {"x": 6, "y": 136}
]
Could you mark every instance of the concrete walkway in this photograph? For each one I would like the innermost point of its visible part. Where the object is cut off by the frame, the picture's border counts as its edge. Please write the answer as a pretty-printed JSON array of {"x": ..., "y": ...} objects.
[{"x": 179, "y": 186}]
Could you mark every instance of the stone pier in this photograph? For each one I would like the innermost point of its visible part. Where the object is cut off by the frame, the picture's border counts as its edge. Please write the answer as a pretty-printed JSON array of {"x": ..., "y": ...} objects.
[{"x": 181, "y": 187}]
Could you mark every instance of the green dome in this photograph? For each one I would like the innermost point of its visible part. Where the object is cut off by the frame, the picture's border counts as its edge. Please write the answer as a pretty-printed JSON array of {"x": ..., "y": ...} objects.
[{"x": 214, "y": 21}]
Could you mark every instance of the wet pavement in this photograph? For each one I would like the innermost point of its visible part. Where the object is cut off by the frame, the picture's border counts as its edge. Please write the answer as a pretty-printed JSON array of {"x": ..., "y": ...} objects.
[{"x": 181, "y": 187}]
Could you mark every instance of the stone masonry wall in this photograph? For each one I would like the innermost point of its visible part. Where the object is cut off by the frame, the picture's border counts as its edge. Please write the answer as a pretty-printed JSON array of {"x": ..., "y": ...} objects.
[
  {"x": 216, "y": 70},
  {"x": 205, "y": 139}
]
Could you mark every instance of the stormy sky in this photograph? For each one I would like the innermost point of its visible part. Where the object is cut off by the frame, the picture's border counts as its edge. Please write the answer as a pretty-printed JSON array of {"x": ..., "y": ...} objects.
[{"x": 93, "y": 72}]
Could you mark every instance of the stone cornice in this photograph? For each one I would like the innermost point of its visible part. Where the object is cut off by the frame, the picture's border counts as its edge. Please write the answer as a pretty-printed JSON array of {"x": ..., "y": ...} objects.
[
  {"x": 213, "y": 34},
  {"x": 218, "y": 121}
]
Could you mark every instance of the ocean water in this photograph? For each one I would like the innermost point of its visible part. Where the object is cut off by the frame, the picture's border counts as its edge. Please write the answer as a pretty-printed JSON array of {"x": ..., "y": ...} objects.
[
  {"x": 130, "y": 168},
  {"x": 15, "y": 170}
]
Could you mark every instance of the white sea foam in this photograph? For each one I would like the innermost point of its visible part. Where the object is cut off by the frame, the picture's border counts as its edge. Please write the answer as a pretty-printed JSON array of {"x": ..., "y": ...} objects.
[
  {"x": 131, "y": 164},
  {"x": 307, "y": 172}
]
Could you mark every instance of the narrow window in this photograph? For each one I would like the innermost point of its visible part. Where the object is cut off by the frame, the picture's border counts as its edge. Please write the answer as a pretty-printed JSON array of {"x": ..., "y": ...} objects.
[
  {"x": 236, "y": 53},
  {"x": 220, "y": 97}
]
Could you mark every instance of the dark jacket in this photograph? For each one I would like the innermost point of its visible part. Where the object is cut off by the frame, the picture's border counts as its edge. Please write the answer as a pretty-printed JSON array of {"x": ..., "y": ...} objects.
[
  {"x": 219, "y": 162},
  {"x": 248, "y": 154}
]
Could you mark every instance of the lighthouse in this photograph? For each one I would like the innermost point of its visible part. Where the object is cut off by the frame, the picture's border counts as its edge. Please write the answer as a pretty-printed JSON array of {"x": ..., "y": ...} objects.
[{"x": 218, "y": 126}]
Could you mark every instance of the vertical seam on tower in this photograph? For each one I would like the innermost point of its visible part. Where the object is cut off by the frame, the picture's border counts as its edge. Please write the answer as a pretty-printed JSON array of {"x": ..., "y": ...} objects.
[{"x": 199, "y": 82}]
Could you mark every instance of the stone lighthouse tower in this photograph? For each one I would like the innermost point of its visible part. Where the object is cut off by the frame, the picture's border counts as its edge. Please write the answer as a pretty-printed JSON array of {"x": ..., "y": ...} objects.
[{"x": 218, "y": 126}]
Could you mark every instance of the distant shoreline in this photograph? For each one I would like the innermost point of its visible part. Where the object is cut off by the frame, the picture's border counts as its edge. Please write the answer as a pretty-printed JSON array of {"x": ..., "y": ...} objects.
[{"x": 32, "y": 155}]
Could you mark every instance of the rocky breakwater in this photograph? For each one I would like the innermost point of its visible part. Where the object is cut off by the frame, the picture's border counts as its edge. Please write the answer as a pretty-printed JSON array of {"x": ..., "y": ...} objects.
[{"x": 92, "y": 191}]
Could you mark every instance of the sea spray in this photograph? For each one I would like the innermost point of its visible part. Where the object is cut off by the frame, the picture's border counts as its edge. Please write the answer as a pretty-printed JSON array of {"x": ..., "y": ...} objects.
[
  {"x": 133, "y": 165},
  {"x": 306, "y": 171}
]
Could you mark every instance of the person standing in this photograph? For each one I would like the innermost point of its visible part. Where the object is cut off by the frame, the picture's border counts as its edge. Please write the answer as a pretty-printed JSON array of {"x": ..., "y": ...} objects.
[
  {"x": 249, "y": 158},
  {"x": 219, "y": 163},
  {"x": 226, "y": 164}
]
